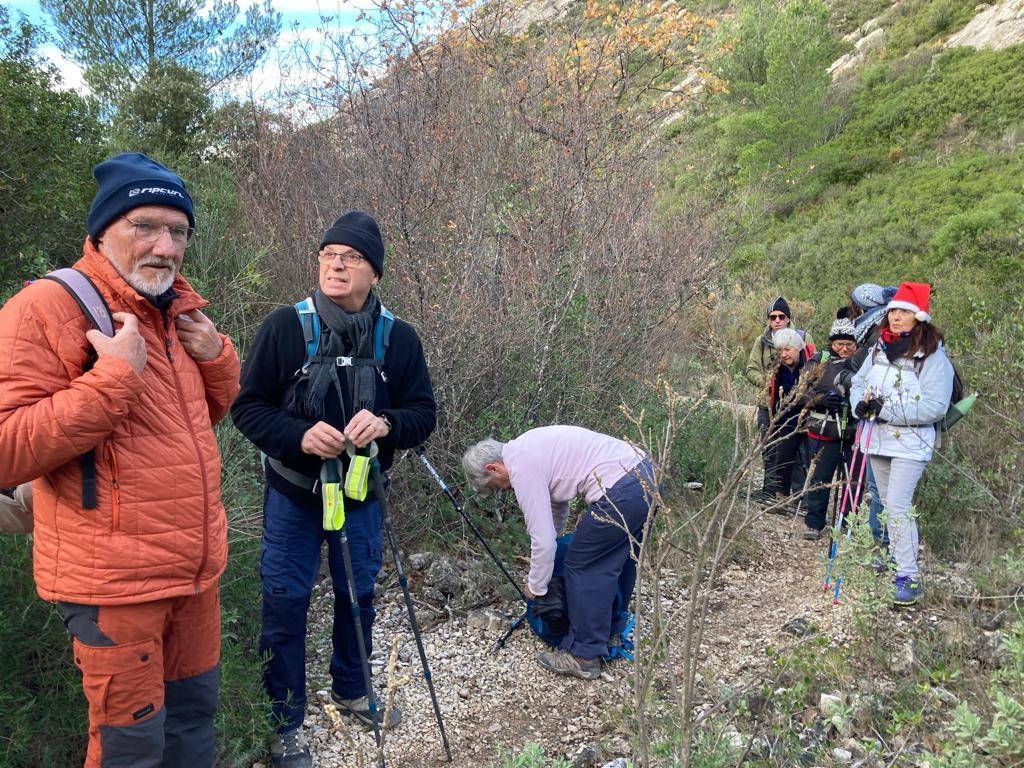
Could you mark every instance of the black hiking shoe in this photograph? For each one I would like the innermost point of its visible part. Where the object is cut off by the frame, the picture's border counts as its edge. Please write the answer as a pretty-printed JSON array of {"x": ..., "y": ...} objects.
[
  {"x": 562, "y": 662},
  {"x": 360, "y": 710},
  {"x": 811, "y": 534},
  {"x": 290, "y": 750}
]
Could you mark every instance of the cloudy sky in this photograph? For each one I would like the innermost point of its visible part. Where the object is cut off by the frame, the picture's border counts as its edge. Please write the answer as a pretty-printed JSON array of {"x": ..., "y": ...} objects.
[{"x": 300, "y": 20}]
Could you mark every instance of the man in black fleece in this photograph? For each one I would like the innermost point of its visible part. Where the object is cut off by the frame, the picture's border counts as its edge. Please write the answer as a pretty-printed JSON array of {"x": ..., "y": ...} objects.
[{"x": 301, "y": 411}]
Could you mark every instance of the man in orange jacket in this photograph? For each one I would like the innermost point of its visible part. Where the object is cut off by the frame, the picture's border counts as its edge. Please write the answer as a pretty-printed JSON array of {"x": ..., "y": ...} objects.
[{"x": 116, "y": 432}]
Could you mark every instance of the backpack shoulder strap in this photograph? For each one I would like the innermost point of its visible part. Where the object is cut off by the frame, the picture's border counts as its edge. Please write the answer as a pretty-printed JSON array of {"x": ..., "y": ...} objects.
[
  {"x": 310, "y": 320},
  {"x": 382, "y": 333},
  {"x": 86, "y": 296},
  {"x": 95, "y": 309}
]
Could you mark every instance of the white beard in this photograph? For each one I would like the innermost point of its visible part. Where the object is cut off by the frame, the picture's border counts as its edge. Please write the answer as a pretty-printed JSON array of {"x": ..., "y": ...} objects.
[{"x": 149, "y": 286}]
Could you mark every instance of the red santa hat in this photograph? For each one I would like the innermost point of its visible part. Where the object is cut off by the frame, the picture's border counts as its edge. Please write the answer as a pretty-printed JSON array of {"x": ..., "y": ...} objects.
[{"x": 913, "y": 297}]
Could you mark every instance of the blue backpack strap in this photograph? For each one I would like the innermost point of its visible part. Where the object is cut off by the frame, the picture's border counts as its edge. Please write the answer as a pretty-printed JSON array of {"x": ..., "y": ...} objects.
[
  {"x": 381, "y": 338},
  {"x": 310, "y": 320},
  {"x": 382, "y": 333}
]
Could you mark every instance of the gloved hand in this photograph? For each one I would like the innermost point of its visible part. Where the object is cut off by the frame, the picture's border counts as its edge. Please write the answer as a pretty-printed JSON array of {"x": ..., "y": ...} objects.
[
  {"x": 833, "y": 401},
  {"x": 869, "y": 409}
]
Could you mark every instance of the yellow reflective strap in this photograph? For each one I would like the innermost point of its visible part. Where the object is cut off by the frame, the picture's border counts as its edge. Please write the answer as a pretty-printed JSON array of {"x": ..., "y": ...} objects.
[
  {"x": 357, "y": 479},
  {"x": 334, "y": 507}
]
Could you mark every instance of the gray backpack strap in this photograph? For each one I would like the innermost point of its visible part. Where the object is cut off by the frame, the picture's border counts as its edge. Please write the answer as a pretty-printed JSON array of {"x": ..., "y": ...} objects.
[
  {"x": 95, "y": 309},
  {"x": 86, "y": 296}
]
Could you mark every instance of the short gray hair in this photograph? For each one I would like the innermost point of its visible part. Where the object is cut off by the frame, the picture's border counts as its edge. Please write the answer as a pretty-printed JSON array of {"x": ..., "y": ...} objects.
[
  {"x": 787, "y": 337},
  {"x": 474, "y": 459}
]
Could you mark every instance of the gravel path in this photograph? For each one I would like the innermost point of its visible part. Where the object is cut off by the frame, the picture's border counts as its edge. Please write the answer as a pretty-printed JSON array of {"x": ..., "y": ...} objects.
[{"x": 494, "y": 702}]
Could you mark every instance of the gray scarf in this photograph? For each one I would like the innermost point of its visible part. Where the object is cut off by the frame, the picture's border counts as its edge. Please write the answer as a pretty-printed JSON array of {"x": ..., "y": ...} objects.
[{"x": 343, "y": 334}]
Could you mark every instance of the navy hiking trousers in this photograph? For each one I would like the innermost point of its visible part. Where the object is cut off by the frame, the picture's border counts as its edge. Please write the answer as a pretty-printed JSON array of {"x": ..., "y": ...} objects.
[
  {"x": 600, "y": 562},
  {"x": 289, "y": 563}
]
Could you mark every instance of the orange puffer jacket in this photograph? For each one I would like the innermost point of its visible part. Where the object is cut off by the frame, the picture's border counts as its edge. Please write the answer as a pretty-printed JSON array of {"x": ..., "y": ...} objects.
[{"x": 159, "y": 528}]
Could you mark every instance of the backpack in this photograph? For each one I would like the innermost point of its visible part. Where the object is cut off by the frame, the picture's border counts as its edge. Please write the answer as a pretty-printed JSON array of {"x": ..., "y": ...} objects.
[
  {"x": 548, "y": 615},
  {"x": 16, "y": 502},
  {"x": 958, "y": 404},
  {"x": 310, "y": 321}
]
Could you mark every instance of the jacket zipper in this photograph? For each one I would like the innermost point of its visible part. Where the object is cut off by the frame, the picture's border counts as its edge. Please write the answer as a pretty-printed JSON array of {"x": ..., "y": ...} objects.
[
  {"x": 199, "y": 457},
  {"x": 115, "y": 492}
]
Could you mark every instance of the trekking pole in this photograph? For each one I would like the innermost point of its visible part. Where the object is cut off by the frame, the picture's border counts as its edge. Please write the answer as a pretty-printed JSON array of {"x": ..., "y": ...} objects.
[
  {"x": 833, "y": 544},
  {"x": 330, "y": 475},
  {"x": 508, "y": 633},
  {"x": 458, "y": 507},
  {"x": 856, "y": 500},
  {"x": 378, "y": 486},
  {"x": 836, "y": 502}
]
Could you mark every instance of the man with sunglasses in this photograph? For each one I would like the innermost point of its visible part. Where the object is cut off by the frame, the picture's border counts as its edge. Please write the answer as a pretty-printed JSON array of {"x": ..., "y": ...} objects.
[
  {"x": 313, "y": 393},
  {"x": 761, "y": 362},
  {"x": 130, "y": 533}
]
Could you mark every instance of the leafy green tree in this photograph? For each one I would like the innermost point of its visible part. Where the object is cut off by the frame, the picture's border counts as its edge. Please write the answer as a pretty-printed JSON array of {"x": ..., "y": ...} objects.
[
  {"x": 121, "y": 42},
  {"x": 49, "y": 140},
  {"x": 167, "y": 113},
  {"x": 775, "y": 61}
]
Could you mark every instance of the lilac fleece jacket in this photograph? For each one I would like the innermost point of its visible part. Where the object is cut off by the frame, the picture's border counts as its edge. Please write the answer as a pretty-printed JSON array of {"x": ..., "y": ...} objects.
[{"x": 550, "y": 466}]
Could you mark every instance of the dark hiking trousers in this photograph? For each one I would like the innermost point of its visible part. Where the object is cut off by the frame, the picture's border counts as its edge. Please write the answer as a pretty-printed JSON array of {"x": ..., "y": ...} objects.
[
  {"x": 150, "y": 675},
  {"x": 827, "y": 456},
  {"x": 796, "y": 476},
  {"x": 598, "y": 562},
  {"x": 289, "y": 563},
  {"x": 785, "y": 458}
]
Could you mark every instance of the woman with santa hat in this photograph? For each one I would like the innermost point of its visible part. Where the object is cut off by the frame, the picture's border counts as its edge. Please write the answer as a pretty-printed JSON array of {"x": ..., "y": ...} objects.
[{"x": 902, "y": 390}]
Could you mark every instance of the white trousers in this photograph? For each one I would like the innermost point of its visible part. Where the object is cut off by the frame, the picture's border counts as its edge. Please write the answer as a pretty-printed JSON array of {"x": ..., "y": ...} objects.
[{"x": 897, "y": 479}]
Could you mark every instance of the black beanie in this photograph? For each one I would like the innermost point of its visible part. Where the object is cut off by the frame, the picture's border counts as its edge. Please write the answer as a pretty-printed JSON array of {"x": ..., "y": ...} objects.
[
  {"x": 778, "y": 304},
  {"x": 128, "y": 181},
  {"x": 358, "y": 230}
]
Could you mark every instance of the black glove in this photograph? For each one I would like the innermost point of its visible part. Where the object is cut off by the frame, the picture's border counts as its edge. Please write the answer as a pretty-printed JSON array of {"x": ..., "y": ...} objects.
[
  {"x": 869, "y": 409},
  {"x": 833, "y": 401}
]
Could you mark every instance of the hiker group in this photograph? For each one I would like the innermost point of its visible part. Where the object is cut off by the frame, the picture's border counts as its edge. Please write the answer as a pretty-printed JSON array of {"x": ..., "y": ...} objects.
[
  {"x": 111, "y": 379},
  {"x": 869, "y": 408}
]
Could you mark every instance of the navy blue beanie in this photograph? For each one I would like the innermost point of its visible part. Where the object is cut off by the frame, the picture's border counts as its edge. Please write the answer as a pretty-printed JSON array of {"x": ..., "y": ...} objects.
[
  {"x": 358, "y": 230},
  {"x": 129, "y": 180},
  {"x": 778, "y": 304}
]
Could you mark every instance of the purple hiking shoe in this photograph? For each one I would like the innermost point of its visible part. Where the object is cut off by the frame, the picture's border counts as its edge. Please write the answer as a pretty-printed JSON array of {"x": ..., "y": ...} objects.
[{"x": 906, "y": 590}]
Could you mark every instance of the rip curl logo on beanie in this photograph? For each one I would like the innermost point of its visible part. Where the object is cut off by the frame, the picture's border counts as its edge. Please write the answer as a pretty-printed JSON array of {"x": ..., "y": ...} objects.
[{"x": 155, "y": 191}]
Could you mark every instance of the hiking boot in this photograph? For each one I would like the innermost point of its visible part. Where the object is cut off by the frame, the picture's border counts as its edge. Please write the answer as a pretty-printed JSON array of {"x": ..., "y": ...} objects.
[
  {"x": 562, "y": 662},
  {"x": 906, "y": 591},
  {"x": 290, "y": 750},
  {"x": 762, "y": 497},
  {"x": 811, "y": 534},
  {"x": 360, "y": 710}
]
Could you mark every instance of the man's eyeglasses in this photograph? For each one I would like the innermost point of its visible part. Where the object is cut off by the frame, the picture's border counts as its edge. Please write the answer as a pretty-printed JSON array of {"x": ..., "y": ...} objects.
[
  {"x": 349, "y": 258},
  {"x": 776, "y": 317},
  {"x": 844, "y": 344},
  {"x": 150, "y": 231}
]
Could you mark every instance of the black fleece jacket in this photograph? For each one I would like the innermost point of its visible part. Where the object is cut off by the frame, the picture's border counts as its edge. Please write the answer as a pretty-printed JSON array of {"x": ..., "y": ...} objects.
[{"x": 268, "y": 372}]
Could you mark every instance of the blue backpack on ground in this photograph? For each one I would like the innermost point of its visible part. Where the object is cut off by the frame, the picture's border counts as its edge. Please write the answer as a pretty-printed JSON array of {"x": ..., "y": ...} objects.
[{"x": 548, "y": 616}]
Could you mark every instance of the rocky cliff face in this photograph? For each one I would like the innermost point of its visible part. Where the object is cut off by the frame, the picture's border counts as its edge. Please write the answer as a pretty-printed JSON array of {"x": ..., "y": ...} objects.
[{"x": 998, "y": 26}]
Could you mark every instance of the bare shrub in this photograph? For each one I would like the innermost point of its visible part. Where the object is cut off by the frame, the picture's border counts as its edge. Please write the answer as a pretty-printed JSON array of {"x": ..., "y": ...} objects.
[{"x": 516, "y": 194}]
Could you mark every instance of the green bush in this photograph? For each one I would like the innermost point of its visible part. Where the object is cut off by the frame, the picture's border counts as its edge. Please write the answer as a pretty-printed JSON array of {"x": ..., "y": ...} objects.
[{"x": 918, "y": 21}]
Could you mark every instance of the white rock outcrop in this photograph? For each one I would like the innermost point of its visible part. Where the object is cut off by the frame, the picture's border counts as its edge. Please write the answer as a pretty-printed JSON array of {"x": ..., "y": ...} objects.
[{"x": 998, "y": 26}]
